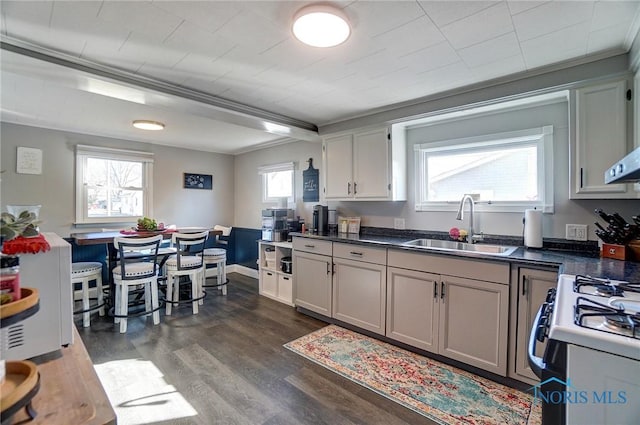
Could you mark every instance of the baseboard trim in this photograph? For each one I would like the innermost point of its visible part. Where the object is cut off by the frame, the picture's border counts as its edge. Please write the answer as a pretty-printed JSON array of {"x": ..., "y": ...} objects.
[
  {"x": 234, "y": 268},
  {"x": 243, "y": 270}
]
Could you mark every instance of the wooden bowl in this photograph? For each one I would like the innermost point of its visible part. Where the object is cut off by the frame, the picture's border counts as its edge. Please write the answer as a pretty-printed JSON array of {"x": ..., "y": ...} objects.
[
  {"x": 21, "y": 377},
  {"x": 29, "y": 298}
]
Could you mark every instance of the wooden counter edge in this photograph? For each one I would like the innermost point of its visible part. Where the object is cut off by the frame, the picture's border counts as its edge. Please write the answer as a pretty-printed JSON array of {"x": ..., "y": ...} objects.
[
  {"x": 74, "y": 357},
  {"x": 105, "y": 415}
]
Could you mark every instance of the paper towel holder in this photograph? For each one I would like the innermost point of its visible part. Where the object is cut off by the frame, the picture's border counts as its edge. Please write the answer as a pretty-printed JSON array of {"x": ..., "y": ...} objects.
[{"x": 532, "y": 228}]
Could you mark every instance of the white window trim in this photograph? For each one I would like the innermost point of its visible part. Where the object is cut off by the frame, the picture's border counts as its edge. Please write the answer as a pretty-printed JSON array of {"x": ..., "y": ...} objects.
[
  {"x": 83, "y": 152},
  {"x": 543, "y": 136},
  {"x": 284, "y": 166}
]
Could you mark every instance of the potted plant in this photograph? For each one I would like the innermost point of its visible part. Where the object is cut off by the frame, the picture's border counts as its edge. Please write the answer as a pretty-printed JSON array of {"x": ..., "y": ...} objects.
[{"x": 24, "y": 225}]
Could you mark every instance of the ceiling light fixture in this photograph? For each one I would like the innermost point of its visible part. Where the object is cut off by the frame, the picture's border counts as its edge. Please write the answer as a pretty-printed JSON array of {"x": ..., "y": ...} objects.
[
  {"x": 321, "y": 25},
  {"x": 148, "y": 125}
]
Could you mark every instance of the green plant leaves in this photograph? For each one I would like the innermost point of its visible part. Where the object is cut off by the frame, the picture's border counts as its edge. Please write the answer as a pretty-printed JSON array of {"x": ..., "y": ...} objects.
[{"x": 24, "y": 225}]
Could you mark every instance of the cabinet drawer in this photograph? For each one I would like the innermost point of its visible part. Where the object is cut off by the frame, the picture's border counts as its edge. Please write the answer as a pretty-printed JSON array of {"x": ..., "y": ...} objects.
[
  {"x": 269, "y": 282},
  {"x": 312, "y": 245},
  {"x": 360, "y": 253}
]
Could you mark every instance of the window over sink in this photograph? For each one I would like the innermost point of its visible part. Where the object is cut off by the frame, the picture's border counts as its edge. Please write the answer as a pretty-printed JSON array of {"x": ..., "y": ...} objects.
[
  {"x": 509, "y": 171},
  {"x": 112, "y": 185}
]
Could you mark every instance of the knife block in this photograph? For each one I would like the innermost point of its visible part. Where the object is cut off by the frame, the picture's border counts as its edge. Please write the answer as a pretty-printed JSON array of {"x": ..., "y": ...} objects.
[
  {"x": 622, "y": 252},
  {"x": 618, "y": 252}
]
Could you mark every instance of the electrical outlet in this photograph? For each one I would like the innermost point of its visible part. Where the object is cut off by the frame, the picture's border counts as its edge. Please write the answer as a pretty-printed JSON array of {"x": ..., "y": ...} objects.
[
  {"x": 398, "y": 223},
  {"x": 576, "y": 232}
]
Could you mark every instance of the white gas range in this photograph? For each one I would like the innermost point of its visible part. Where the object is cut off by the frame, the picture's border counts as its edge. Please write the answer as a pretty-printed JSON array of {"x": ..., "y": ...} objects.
[{"x": 590, "y": 371}]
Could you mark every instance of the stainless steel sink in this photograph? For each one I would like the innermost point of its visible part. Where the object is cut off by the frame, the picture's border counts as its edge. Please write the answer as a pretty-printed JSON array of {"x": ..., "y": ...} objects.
[{"x": 502, "y": 250}]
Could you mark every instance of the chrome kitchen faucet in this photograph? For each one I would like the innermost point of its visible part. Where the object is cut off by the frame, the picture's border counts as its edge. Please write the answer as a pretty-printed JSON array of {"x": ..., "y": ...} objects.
[{"x": 472, "y": 236}]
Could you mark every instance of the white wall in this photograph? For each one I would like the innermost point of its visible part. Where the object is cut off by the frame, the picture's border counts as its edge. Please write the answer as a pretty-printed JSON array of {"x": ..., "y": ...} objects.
[
  {"x": 54, "y": 188},
  {"x": 248, "y": 201}
]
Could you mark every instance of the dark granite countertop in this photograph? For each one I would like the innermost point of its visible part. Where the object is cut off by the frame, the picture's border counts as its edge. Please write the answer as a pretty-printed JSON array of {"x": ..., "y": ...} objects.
[{"x": 577, "y": 261}]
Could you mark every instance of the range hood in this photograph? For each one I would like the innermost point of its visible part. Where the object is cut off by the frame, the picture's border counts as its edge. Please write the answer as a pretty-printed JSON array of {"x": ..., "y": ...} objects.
[{"x": 627, "y": 170}]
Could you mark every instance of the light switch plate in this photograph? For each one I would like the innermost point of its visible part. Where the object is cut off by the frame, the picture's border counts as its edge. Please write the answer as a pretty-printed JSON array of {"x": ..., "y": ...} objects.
[{"x": 576, "y": 232}]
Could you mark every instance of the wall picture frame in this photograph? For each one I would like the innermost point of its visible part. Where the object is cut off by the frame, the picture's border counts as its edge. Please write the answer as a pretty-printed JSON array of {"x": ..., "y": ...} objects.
[
  {"x": 198, "y": 181},
  {"x": 28, "y": 161}
]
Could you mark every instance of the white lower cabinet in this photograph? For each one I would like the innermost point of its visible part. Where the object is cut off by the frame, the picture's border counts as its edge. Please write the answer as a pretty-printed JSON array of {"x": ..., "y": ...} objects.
[
  {"x": 529, "y": 291},
  {"x": 410, "y": 297},
  {"x": 473, "y": 323},
  {"x": 459, "y": 317},
  {"x": 273, "y": 281},
  {"x": 359, "y": 294},
  {"x": 313, "y": 282},
  {"x": 412, "y": 308}
]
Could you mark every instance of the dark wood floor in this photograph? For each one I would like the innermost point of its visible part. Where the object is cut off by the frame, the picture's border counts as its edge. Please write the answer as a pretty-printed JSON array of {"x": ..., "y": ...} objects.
[{"x": 228, "y": 362}]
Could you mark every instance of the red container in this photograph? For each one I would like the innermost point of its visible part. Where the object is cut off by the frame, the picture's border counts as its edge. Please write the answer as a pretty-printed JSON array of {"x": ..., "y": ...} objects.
[{"x": 10, "y": 278}]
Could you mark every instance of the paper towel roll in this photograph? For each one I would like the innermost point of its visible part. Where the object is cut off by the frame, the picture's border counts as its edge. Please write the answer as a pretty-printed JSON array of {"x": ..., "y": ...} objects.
[{"x": 533, "y": 228}]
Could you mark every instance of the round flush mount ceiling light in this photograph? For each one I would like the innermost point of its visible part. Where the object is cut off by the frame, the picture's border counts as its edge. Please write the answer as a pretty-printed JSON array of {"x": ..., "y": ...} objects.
[
  {"x": 148, "y": 125},
  {"x": 321, "y": 26}
]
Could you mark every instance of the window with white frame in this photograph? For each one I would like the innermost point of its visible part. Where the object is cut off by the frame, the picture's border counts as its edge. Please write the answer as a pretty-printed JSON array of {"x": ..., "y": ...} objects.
[
  {"x": 509, "y": 171},
  {"x": 277, "y": 182},
  {"x": 112, "y": 185}
]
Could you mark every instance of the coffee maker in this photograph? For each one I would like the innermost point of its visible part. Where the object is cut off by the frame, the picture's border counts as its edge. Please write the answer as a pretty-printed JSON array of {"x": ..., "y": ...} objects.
[
  {"x": 274, "y": 224},
  {"x": 320, "y": 219}
]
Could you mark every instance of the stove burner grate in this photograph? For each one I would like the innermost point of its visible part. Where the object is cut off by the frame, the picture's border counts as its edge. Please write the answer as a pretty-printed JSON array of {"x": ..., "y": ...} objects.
[
  {"x": 615, "y": 320},
  {"x": 620, "y": 322},
  {"x": 603, "y": 287}
]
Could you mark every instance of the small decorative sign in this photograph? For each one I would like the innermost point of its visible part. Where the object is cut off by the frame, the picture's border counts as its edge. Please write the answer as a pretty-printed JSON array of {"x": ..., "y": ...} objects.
[
  {"x": 198, "y": 181},
  {"x": 29, "y": 161},
  {"x": 310, "y": 183}
]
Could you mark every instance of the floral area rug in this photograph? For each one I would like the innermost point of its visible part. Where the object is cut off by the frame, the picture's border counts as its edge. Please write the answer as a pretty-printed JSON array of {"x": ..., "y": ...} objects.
[{"x": 442, "y": 393}]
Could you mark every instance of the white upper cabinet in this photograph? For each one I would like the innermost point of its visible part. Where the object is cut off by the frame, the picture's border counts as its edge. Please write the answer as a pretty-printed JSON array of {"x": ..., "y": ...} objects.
[
  {"x": 337, "y": 164},
  {"x": 602, "y": 136},
  {"x": 636, "y": 112},
  {"x": 366, "y": 165}
]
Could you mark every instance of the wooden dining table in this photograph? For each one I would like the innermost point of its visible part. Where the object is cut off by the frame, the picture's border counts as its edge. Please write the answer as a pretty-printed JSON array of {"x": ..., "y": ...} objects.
[{"x": 107, "y": 237}]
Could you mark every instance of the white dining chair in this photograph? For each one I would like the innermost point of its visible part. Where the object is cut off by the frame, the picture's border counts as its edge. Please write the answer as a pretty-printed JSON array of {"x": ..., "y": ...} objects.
[
  {"x": 135, "y": 272},
  {"x": 187, "y": 261}
]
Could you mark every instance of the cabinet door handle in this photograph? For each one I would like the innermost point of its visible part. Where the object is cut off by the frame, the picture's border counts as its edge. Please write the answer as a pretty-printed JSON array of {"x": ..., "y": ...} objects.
[
  {"x": 441, "y": 290},
  {"x": 581, "y": 176},
  {"x": 524, "y": 286},
  {"x": 349, "y": 188},
  {"x": 435, "y": 290},
  {"x": 328, "y": 268},
  {"x": 333, "y": 268},
  {"x": 360, "y": 254},
  {"x": 355, "y": 188}
]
